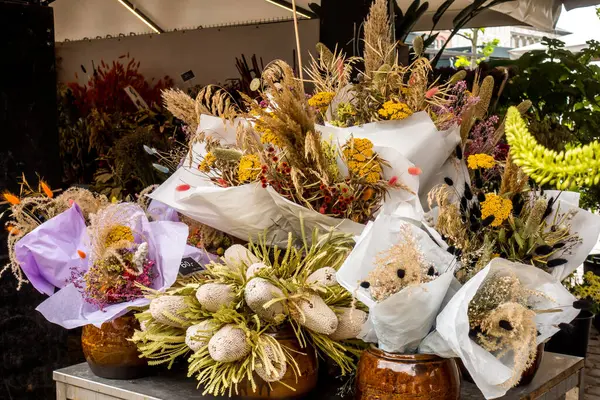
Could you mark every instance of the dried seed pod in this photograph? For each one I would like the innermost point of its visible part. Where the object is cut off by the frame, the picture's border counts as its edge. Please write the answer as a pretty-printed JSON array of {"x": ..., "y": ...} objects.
[
  {"x": 237, "y": 254},
  {"x": 228, "y": 344},
  {"x": 213, "y": 296},
  {"x": 350, "y": 323},
  {"x": 315, "y": 315},
  {"x": 278, "y": 362},
  {"x": 165, "y": 309},
  {"x": 253, "y": 269},
  {"x": 418, "y": 45},
  {"x": 257, "y": 293},
  {"x": 323, "y": 276},
  {"x": 197, "y": 336}
]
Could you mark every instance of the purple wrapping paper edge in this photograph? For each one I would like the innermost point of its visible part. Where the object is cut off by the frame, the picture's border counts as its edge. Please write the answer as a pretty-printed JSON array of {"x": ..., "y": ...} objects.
[
  {"x": 162, "y": 212},
  {"x": 167, "y": 243},
  {"x": 47, "y": 253}
]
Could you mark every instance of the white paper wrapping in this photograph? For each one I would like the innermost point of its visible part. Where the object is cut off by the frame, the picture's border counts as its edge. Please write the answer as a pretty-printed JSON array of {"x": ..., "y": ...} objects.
[
  {"x": 247, "y": 210},
  {"x": 585, "y": 224},
  {"x": 416, "y": 137},
  {"x": 452, "y": 324},
  {"x": 399, "y": 322}
]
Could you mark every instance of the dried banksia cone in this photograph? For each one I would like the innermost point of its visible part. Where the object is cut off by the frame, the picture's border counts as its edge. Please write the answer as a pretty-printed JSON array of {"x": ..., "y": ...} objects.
[
  {"x": 238, "y": 254},
  {"x": 323, "y": 276},
  {"x": 315, "y": 315},
  {"x": 253, "y": 269},
  {"x": 213, "y": 296},
  {"x": 228, "y": 344},
  {"x": 197, "y": 336},
  {"x": 279, "y": 365},
  {"x": 418, "y": 45},
  {"x": 258, "y": 292},
  {"x": 165, "y": 309},
  {"x": 350, "y": 323}
]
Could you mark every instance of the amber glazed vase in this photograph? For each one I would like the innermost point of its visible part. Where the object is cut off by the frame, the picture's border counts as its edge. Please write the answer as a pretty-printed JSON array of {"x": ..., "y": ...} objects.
[
  {"x": 108, "y": 352},
  {"x": 388, "y": 376},
  {"x": 307, "y": 381}
]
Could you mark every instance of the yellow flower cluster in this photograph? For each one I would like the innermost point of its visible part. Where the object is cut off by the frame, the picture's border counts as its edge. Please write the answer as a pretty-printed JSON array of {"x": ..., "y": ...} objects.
[
  {"x": 321, "y": 100},
  {"x": 117, "y": 234},
  {"x": 249, "y": 168},
  {"x": 267, "y": 135},
  {"x": 591, "y": 288},
  {"x": 208, "y": 162},
  {"x": 497, "y": 206},
  {"x": 392, "y": 110},
  {"x": 484, "y": 161},
  {"x": 361, "y": 159}
]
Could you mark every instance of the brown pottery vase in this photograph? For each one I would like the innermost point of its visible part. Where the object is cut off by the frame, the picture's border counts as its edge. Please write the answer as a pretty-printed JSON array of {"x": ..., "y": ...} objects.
[
  {"x": 307, "y": 363},
  {"x": 387, "y": 376},
  {"x": 108, "y": 352}
]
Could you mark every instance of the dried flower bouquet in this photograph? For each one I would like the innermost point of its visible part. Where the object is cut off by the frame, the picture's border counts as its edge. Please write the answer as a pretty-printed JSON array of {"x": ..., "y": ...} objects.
[{"x": 222, "y": 319}]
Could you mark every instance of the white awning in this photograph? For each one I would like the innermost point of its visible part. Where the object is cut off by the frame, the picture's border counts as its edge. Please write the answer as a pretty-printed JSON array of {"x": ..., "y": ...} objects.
[{"x": 90, "y": 19}]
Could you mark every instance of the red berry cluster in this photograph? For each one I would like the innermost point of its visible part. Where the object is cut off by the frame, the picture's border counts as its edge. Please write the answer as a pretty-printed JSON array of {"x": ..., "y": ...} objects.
[{"x": 336, "y": 199}]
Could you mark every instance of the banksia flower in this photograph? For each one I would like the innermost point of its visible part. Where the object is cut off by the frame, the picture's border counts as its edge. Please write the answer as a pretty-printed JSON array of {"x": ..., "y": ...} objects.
[
  {"x": 213, "y": 296},
  {"x": 258, "y": 293},
  {"x": 166, "y": 309},
  {"x": 350, "y": 323},
  {"x": 228, "y": 344},
  {"x": 323, "y": 276},
  {"x": 197, "y": 336},
  {"x": 314, "y": 314}
]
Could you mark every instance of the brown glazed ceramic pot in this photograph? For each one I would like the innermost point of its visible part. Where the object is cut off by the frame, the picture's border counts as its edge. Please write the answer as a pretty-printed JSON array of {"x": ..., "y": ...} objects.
[
  {"x": 108, "y": 352},
  {"x": 387, "y": 376},
  {"x": 527, "y": 375},
  {"x": 306, "y": 359}
]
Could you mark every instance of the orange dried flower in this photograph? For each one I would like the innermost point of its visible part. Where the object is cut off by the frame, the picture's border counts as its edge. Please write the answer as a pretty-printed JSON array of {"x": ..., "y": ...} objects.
[
  {"x": 367, "y": 194},
  {"x": 81, "y": 254},
  {"x": 11, "y": 198},
  {"x": 12, "y": 230},
  {"x": 46, "y": 189}
]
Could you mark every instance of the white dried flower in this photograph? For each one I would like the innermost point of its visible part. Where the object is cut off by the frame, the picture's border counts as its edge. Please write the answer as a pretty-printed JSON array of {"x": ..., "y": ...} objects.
[
  {"x": 257, "y": 293},
  {"x": 350, "y": 323},
  {"x": 166, "y": 309},
  {"x": 212, "y": 296},
  {"x": 197, "y": 336},
  {"x": 253, "y": 269},
  {"x": 277, "y": 369},
  {"x": 315, "y": 315},
  {"x": 323, "y": 276},
  {"x": 228, "y": 344},
  {"x": 140, "y": 256},
  {"x": 237, "y": 254}
]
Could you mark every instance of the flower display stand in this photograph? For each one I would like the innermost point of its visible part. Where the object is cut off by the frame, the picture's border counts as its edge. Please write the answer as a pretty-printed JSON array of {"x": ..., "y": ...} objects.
[{"x": 557, "y": 375}]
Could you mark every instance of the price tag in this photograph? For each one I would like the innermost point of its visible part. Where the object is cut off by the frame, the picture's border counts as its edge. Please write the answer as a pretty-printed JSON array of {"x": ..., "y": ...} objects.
[
  {"x": 186, "y": 76},
  {"x": 189, "y": 266}
]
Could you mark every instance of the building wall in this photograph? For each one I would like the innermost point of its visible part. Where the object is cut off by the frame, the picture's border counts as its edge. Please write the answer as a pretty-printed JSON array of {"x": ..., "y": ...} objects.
[
  {"x": 209, "y": 53},
  {"x": 509, "y": 36}
]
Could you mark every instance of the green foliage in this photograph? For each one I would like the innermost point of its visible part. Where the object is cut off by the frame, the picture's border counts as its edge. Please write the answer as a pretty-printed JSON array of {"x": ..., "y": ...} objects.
[
  {"x": 589, "y": 289},
  {"x": 567, "y": 169}
]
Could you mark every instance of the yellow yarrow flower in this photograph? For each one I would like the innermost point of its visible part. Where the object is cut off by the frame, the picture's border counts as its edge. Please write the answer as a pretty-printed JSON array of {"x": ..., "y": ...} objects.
[
  {"x": 483, "y": 161},
  {"x": 117, "y": 234},
  {"x": 361, "y": 161},
  {"x": 249, "y": 168},
  {"x": 208, "y": 162},
  {"x": 321, "y": 100},
  {"x": 392, "y": 110},
  {"x": 497, "y": 206}
]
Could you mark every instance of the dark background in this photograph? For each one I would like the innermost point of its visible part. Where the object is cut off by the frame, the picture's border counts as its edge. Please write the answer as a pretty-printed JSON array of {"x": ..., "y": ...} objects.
[{"x": 30, "y": 347}]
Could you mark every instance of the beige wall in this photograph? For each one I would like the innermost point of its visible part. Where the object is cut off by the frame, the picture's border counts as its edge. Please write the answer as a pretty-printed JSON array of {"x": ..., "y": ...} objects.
[{"x": 209, "y": 53}]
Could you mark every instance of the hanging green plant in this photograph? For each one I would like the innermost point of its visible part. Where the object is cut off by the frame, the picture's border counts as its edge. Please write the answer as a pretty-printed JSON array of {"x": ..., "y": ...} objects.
[{"x": 567, "y": 169}]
